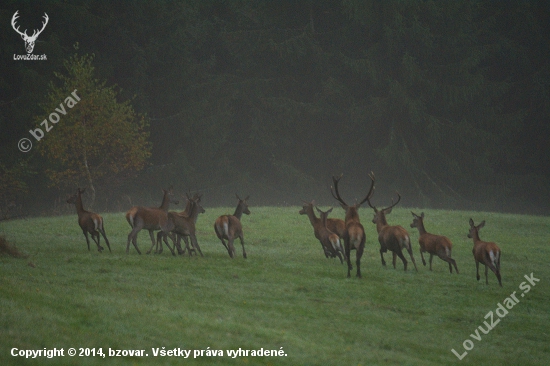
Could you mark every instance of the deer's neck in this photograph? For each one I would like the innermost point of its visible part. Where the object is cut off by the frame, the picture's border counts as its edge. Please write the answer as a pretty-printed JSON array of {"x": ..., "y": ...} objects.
[
  {"x": 238, "y": 211},
  {"x": 165, "y": 202}
]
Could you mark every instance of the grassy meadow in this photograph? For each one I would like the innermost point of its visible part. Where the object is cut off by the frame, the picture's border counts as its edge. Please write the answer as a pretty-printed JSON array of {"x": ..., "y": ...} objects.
[{"x": 286, "y": 294}]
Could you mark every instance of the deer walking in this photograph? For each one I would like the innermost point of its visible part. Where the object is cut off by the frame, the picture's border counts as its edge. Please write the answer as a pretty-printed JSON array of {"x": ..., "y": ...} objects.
[
  {"x": 228, "y": 227},
  {"x": 354, "y": 236},
  {"x": 393, "y": 238},
  {"x": 149, "y": 218},
  {"x": 433, "y": 244},
  {"x": 336, "y": 226},
  {"x": 89, "y": 222},
  {"x": 486, "y": 253},
  {"x": 183, "y": 225}
]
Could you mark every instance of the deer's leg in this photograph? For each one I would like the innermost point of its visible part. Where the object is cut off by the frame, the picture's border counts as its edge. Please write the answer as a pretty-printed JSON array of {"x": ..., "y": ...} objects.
[
  {"x": 87, "y": 240},
  {"x": 187, "y": 246},
  {"x": 105, "y": 237},
  {"x": 196, "y": 244},
  {"x": 165, "y": 239},
  {"x": 409, "y": 249},
  {"x": 422, "y": 256},
  {"x": 486, "y": 273},
  {"x": 95, "y": 238},
  {"x": 347, "y": 247},
  {"x": 477, "y": 269},
  {"x": 159, "y": 238},
  {"x": 394, "y": 255},
  {"x": 231, "y": 247},
  {"x": 402, "y": 257},
  {"x": 358, "y": 255},
  {"x": 242, "y": 243},
  {"x": 431, "y": 258}
]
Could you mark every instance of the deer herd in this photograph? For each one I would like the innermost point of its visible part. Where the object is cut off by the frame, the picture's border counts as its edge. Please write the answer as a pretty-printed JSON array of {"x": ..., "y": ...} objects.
[{"x": 337, "y": 237}]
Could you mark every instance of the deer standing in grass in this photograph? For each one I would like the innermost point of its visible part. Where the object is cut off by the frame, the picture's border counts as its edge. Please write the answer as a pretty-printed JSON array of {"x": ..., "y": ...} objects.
[
  {"x": 183, "y": 225},
  {"x": 149, "y": 218},
  {"x": 354, "y": 236},
  {"x": 433, "y": 244},
  {"x": 336, "y": 226},
  {"x": 393, "y": 238},
  {"x": 89, "y": 222},
  {"x": 228, "y": 227},
  {"x": 486, "y": 253}
]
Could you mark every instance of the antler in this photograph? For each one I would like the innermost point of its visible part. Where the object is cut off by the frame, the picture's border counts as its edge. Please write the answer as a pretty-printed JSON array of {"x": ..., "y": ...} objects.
[
  {"x": 371, "y": 192},
  {"x": 13, "y": 19},
  {"x": 334, "y": 189},
  {"x": 393, "y": 204},
  {"x": 371, "y": 189}
]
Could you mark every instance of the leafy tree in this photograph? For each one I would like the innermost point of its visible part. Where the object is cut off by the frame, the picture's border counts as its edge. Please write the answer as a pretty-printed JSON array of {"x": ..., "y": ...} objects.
[{"x": 98, "y": 139}]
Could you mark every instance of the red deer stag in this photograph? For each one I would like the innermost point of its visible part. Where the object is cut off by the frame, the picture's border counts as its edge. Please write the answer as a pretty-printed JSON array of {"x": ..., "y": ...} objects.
[
  {"x": 354, "y": 236},
  {"x": 329, "y": 239},
  {"x": 486, "y": 253},
  {"x": 89, "y": 222},
  {"x": 228, "y": 227},
  {"x": 149, "y": 218},
  {"x": 394, "y": 238},
  {"x": 183, "y": 225},
  {"x": 433, "y": 244},
  {"x": 336, "y": 226}
]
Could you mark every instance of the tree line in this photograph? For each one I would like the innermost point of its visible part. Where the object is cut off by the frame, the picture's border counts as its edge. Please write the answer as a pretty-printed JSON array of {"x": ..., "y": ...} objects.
[{"x": 446, "y": 101}]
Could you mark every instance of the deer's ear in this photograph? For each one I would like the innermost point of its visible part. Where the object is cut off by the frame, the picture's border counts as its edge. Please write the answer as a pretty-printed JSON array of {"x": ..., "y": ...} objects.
[
  {"x": 330, "y": 210},
  {"x": 481, "y": 224},
  {"x": 422, "y": 215},
  {"x": 472, "y": 223}
]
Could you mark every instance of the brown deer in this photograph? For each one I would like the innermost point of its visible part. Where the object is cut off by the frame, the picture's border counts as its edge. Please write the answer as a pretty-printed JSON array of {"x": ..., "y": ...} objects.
[
  {"x": 486, "y": 253},
  {"x": 228, "y": 227},
  {"x": 354, "y": 236},
  {"x": 394, "y": 238},
  {"x": 433, "y": 244},
  {"x": 89, "y": 222},
  {"x": 183, "y": 225},
  {"x": 149, "y": 218},
  {"x": 329, "y": 239},
  {"x": 336, "y": 226}
]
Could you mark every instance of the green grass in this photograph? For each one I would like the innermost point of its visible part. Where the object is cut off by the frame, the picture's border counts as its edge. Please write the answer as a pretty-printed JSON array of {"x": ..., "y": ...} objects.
[{"x": 286, "y": 294}]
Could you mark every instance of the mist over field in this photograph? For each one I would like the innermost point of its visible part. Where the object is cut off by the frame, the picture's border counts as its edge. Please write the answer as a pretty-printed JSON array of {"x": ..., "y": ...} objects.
[{"x": 448, "y": 103}]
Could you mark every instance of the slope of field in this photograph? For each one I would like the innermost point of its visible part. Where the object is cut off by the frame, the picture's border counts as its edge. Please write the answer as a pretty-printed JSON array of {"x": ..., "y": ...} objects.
[{"x": 286, "y": 297}]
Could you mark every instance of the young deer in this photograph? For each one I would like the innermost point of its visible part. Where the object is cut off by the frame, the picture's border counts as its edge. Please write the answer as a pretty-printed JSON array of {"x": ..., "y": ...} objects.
[
  {"x": 183, "y": 225},
  {"x": 394, "y": 238},
  {"x": 486, "y": 253},
  {"x": 229, "y": 227},
  {"x": 89, "y": 222},
  {"x": 433, "y": 244},
  {"x": 149, "y": 218},
  {"x": 336, "y": 226},
  {"x": 329, "y": 240},
  {"x": 354, "y": 236}
]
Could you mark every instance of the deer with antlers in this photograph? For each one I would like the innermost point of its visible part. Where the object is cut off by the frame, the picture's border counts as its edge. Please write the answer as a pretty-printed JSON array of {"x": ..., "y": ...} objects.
[
  {"x": 335, "y": 226},
  {"x": 486, "y": 253},
  {"x": 151, "y": 219},
  {"x": 433, "y": 244},
  {"x": 29, "y": 40},
  {"x": 183, "y": 225},
  {"x": 89, "y": 222},
  {"x": 354, "y": 236},
  {"x": 393, "y": 238},
  {"x": 229, "y": 227}
]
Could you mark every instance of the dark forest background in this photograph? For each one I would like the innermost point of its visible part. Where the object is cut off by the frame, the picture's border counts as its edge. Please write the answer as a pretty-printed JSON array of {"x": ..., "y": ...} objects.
[{"x": 448, "y": 102}]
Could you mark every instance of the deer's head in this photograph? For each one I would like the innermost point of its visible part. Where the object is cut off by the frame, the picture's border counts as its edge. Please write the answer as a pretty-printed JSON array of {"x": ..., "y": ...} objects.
[{"x": 29, "y": 40}]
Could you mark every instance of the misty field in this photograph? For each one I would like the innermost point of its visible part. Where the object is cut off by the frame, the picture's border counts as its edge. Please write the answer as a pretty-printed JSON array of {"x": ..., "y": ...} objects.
[{"x": 286, "y": 296}]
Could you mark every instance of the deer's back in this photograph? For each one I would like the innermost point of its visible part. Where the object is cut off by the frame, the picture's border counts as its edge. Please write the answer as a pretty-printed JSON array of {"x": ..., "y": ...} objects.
[{"x": 434, "y": 243}]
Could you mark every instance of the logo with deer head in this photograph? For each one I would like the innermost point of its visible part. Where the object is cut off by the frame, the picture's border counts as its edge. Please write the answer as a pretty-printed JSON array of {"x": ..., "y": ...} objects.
[{"x": 29, "y": 40}]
